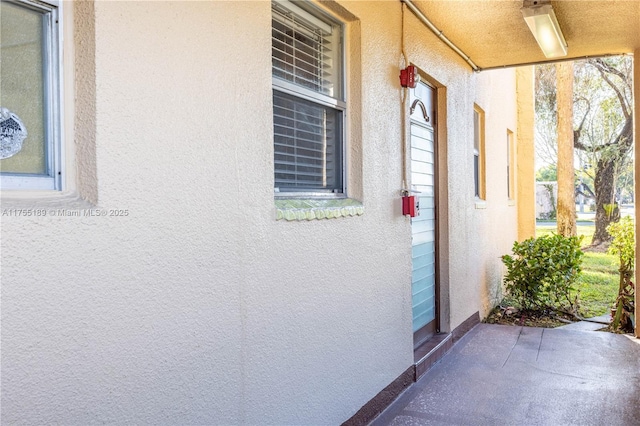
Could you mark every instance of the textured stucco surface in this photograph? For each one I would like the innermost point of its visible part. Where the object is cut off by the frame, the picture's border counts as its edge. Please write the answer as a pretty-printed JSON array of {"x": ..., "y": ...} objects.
[
  {"x": 496, "y": 225},
  {"x": 198, "y": 306},
  {"x": 525, "y": 153}
]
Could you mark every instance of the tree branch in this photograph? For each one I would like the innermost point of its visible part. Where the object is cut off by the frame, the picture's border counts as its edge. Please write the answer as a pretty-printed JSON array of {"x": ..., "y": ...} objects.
[
  {"x": 625, "y": 138},
  {"x": 608, "y": 68},
  {"x": 623, "y": 141},
  {"x": 582, "y": 147},
  {"x": 604, "y": 69},
  {"x": 578, "y": 132}
]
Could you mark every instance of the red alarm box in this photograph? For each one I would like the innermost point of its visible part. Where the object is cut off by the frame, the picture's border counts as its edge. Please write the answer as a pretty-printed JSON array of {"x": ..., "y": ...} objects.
[
  {"x": 409, "y": 77},
  {"x": 410, "y": 205}
]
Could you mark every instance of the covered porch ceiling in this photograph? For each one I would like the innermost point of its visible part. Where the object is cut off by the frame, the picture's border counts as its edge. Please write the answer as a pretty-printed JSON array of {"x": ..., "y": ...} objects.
[{"x": 493, "y": 33}]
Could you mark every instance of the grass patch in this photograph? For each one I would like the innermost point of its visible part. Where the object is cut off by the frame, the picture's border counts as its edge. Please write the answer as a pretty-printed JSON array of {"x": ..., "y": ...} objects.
[
  {"x": 586, "y": 231},
  {"x": 598, "y": 283},
  {"x": 600, "y": 262}
]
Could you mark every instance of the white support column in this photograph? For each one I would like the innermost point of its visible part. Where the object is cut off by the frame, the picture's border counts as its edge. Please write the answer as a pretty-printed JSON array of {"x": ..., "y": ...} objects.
[{"x": 636, "y": 141}]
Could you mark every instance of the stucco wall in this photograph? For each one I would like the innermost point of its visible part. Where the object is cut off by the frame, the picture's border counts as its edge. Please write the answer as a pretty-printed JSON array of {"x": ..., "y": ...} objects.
[
  {"x": 498, "y": 222},
  {"x": 198, "y": 307}
]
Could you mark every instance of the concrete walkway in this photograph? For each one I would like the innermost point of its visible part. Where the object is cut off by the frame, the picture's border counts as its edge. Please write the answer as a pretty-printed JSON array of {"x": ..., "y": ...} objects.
[
  {"x": 503, "y": 375},
  {"x": 591, "y": 324}
]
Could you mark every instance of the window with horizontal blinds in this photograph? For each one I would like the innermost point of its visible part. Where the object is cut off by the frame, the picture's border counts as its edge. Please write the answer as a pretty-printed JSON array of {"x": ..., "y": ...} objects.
[
  {"x": 307, "y": 152},
  {"x": 306, "y": 50},
  {"x": 476, "y": 153},
  {"x": 308, "y": 109},
  {"x": 511, "y": 169}
]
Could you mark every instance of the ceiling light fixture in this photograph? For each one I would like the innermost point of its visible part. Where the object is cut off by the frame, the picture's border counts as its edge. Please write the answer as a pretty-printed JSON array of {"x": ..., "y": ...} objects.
[{"x": 543, "y": 23}]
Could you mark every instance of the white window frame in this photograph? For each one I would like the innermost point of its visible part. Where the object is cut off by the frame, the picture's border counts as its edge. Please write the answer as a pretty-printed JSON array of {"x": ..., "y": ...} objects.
[
  {"x": 480, "y": 186},
  {"x": 320, "y": 19},
  {"x": 53, "y": 87},
  {"x": 511, "y": 166}
]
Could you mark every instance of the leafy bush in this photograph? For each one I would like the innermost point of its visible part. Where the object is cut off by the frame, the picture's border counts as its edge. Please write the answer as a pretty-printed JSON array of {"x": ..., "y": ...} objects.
[
  {"x": 542, "y": 271},
  {"x": 623, "y": 245}
]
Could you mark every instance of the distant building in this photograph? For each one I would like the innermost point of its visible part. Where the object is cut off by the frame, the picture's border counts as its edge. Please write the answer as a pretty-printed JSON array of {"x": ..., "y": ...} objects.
[{"x": 546, "y": 200}]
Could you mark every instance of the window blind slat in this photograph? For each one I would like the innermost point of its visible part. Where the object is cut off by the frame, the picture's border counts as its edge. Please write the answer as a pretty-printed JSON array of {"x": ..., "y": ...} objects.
[
  {"x": 297, "y": 68},
  {"x": 281, "y": 32},
  {"x": 284, "y": 123},
  {"x": 308, "y": 157}
]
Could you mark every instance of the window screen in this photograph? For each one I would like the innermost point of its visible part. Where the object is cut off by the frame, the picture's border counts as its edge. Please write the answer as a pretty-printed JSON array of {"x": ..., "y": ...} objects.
[{"x": 29, "y": 107}]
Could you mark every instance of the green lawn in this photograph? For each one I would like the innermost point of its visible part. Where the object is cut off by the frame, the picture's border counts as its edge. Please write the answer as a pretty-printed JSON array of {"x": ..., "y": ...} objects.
[
  {"x": 598, "y": 283},
  {"x": 585, "y": 231}
]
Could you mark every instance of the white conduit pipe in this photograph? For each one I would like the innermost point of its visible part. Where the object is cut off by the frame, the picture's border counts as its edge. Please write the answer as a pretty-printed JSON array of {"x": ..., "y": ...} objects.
[
  {"x": 553, "y": 61},
  {"x": 439, "y": 33}
]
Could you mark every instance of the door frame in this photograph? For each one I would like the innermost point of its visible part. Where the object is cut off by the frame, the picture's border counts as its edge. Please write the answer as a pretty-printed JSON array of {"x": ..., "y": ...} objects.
[{"x": 434, "y": 327}]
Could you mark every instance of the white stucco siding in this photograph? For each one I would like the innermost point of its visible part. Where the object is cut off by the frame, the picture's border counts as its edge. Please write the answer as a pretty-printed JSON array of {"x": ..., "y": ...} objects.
[
  {"x": 337, "y": 293},
  {"x": 499, "y": 223},
  {"x": 198, "y": 307},
  {"x": 139, "y": 318}
]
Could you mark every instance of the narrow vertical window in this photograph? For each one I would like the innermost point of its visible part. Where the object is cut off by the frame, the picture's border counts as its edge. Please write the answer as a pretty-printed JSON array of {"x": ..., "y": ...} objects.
[
  {"x": 308, "y": 100},
  {"x": 478, "y": 153},
  {"x": 30, "y": 151},
  {"x": 511, "y": 164}
]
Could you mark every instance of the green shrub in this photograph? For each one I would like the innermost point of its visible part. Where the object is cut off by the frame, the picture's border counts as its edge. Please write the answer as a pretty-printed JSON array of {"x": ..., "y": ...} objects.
[
  {"x": 623, "y": 245},
  {"x": 541, "y": 272}
]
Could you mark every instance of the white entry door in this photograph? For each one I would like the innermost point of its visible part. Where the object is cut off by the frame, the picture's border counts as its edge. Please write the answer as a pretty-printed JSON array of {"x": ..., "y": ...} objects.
[{"x": 423, "y": 180}]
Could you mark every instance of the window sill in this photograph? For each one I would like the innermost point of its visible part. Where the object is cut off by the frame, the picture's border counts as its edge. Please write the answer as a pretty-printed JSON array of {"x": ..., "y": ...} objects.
[
  {"x": 310, "y": 209},
  {"x": 480, "y": 204},
  {"x": 17, "y": 199}
]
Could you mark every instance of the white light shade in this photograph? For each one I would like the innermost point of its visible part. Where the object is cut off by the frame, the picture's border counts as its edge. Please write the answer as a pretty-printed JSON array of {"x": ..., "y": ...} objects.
[{"x": 544, "y": 26}]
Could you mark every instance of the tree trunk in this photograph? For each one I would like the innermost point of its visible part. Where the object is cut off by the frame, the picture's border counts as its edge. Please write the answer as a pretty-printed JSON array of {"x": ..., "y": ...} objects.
[
  {"x": 604, "y": 183},
  {"x": 606, "y": 211},
  {"x": 566, "y": 216}
]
